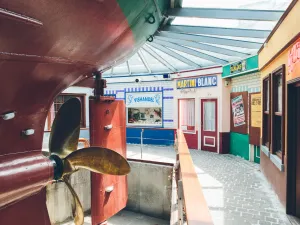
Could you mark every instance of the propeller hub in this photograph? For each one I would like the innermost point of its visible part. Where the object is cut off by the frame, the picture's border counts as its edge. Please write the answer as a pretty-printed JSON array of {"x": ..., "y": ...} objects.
[{"x": 58, "y": 166}]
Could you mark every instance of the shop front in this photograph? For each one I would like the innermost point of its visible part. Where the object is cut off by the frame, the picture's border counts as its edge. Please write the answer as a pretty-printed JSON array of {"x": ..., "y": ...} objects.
[
  {"x": 279, "y": 63},
  {"x": 149, "y": 110},
  {"x": 199, "y": 97},
  {"x": 245, "y": 106},
  {"x": 144, "y": 109}
]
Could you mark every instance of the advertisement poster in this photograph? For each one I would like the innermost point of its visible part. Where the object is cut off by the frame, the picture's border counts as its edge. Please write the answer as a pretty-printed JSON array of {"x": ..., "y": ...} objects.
[
  {"x": 238, "y": 111},
  {"x": 256, "y": 110},
  {"x": 294, "y": 62},
  {"x": 144, "y": 108}
]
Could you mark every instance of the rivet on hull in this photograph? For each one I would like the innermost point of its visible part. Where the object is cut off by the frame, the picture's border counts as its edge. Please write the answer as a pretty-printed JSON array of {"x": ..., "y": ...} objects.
[{"x": 8, "y": 116}]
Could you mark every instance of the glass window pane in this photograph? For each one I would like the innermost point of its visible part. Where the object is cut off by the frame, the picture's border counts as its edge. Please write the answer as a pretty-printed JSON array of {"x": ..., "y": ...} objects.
[
  {"x": 144, "y": 116},
  {"x": 187, "y": 114},
  {"x": 266, "y": 97},
  {"x": 277, "y": 134},
  {"x": 209, "y": 122},
  {"x": 279, "y": 94}
]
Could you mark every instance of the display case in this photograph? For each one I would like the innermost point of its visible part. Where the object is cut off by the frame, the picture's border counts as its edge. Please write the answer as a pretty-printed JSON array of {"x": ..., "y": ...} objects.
[{"x": 144, "y": 109}]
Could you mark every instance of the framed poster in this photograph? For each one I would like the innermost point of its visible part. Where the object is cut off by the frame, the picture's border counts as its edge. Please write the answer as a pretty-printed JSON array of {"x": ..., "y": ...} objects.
[
  {"x": 144, "y": 109},
  {"x": 255, "y": 101},
  {"x": 239, "y": 112},
  {"x": 255, "y": 118}
]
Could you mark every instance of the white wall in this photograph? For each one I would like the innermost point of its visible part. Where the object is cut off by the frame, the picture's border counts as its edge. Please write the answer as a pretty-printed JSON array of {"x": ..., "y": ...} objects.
[
  {"x": 164, "y": 85},
  {"x": 119, "y": 85},
  {"x": 220, "y": 92}
]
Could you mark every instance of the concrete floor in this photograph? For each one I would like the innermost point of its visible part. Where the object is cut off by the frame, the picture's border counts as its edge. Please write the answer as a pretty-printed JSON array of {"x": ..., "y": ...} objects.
[
  {"x": 236, "y": 191},
  {"x": 151, "y": 152},
  {"x": 128, "y": 218}
]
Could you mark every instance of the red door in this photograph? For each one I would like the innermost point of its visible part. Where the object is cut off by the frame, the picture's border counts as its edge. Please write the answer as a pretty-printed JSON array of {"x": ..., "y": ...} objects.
[{"x": 209, "y": 125}]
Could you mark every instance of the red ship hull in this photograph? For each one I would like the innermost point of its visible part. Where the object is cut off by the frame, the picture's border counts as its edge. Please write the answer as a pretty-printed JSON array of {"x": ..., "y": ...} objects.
[{"x": 45, "y": 47}]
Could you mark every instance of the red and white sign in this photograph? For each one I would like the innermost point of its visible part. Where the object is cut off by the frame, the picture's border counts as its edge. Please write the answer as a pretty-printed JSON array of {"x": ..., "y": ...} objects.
[{"x": 294, "y": 62}]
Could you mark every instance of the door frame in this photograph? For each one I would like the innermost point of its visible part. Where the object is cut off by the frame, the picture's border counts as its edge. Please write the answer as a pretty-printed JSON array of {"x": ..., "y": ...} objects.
[
  {"x": 291, "y": 156},
  {"x": 178, "y": 114},
  {"x": 218, "y": 121}
]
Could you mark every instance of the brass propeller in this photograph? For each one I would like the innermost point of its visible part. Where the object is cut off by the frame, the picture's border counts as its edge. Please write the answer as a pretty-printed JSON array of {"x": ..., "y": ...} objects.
[
  {"x": 66, "y": 128},
  {"x": 67, "y": 159},
  {"x": 102, "y": 161}
]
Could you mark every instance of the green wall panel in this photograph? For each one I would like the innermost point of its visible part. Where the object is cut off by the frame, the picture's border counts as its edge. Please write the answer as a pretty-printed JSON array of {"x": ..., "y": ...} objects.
[
  {"x": 257, "y": 154},
  {"x": 239, "y": 145}
]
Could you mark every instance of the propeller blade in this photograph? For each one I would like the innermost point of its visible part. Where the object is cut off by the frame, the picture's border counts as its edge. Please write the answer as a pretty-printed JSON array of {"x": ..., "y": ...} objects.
[
  {"x": 65, "y": 129},
  {"x": 96, "y": 159},
  {"x": 78, "y": 211}
]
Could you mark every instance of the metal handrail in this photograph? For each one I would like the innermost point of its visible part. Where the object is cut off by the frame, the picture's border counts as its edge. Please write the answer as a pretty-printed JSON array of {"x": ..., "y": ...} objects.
[{"x": 190, "y": 195}]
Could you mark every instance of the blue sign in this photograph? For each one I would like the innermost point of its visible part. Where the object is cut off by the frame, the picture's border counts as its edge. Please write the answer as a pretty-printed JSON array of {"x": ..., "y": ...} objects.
[
  {"x": 156, "y": 98},
  {"x": 203, "y": 81}
]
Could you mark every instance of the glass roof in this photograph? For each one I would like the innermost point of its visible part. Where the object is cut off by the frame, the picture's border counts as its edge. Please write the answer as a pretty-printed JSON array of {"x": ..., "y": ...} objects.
[{"x": 204, "y": 33}]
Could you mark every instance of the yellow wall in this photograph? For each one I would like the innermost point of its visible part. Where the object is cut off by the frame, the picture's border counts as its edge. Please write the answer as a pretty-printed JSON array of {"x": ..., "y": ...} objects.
[
  {"x": 276, "y": 63},
  {"x": 288, "y": 29}
]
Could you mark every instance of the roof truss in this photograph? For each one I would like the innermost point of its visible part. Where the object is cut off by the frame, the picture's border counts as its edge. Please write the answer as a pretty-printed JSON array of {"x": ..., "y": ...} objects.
[
  {"x": 219, "y": 31},
  {"x": 174, "y": 54},
  {"x": 237, "y": 14}
]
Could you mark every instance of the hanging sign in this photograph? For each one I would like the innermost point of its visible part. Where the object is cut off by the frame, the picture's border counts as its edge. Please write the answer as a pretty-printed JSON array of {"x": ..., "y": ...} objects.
[
  {"x": 238, "y": 111},
  {"x": 144, "y": 99},
  {"x": 245, "y": 66},
  {"x": 238, "y": 67},
  {"x": 203, "y": 81},
  {"x": 255, "y": 102},
  {"x": 294, "y": 62}
]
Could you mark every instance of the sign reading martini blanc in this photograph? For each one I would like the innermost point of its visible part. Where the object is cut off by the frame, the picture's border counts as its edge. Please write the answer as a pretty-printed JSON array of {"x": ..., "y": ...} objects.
[{"x": 203, "y": 81}]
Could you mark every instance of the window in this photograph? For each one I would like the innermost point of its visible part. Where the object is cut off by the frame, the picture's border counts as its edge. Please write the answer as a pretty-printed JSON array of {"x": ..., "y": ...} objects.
[
  {"x": 273, "y": 111},
  {"x": 59, "y": 101},
  {"x": 209, "y": 123},
  {"x": 266, "y": 112},
  {"x": 187, "y": 115},
  {"x": 143, "y": 116},
  {"x": 277, "y": 111},
  {"x": 144, "y": 109}
]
